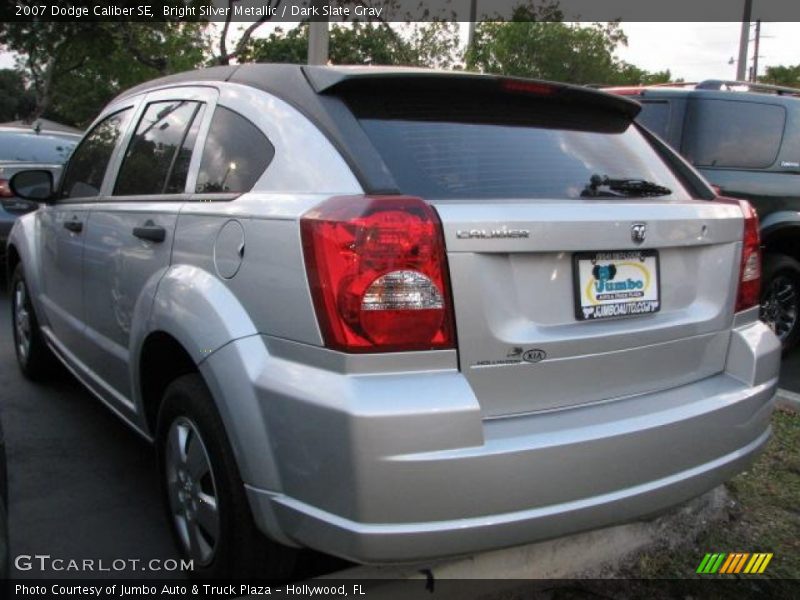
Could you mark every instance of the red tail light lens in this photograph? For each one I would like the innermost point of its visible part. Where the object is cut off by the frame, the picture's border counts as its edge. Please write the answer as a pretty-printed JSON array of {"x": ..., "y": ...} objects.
[
  {"x": 528, "y": 87},
  {"x": 378, "y": 274},
  {"x": 5, "y": 189},
  {"x": 750, "y": 271}
]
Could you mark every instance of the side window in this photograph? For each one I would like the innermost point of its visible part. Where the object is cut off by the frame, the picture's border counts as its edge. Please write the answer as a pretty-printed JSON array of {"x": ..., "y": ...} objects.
[
  {"x": 158, "y": 156},
  {"x": 734, "y": 134},
  {"x": 655, "y": 116},
  {"x": 235, "y": 155},
  {"x": 86, "y": 169}
]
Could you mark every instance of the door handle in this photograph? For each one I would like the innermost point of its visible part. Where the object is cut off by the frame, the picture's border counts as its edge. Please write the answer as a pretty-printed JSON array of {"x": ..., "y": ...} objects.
[
  {"x": 74, "y": 226},
  {"x": 150, "y": 232}
]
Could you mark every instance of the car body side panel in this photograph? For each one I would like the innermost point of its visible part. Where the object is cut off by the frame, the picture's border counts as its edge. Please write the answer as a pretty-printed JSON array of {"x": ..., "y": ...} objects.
[
  {"x": 24, "y": 237},
  {"x": 117, "y": 267}
]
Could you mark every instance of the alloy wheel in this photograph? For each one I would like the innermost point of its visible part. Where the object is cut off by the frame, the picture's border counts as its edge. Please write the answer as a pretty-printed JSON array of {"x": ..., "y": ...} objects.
[
  {"x": 779, "y": 306},
  {"x": 22, "y": 321},
  {"x": 192, "y": 491}
]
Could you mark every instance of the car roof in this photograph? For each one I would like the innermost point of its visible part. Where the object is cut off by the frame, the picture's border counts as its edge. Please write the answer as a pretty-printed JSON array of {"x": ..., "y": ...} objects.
[
  {"x": 712, "y": 88},
  {"x": 295, "y": 83},
  {"x": 41, "y": 133}
]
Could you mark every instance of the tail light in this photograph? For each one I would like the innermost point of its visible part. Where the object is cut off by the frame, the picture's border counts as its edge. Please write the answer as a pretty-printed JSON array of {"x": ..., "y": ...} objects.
[
  {"x": 378, "y": 274},
  {"x": 750, "y": 270},
  {"x": 5, "y": 189}
]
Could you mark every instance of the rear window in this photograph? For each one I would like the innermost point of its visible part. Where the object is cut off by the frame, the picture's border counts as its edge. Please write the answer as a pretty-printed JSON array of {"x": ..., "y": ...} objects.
[
  {"x": 655, "y": 116},
  {"x": 29, "y": 147},
  {"x": 450, "y": 149},
  {"x": 733, "y": 134}
]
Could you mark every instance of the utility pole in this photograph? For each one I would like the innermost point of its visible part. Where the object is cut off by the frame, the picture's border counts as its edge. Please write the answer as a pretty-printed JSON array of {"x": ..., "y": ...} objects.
[
  {"x": 741, "y": 66},
  {"x": 473, "y": 15},
  {"x": 755, "y": 51},
  {"x": 318, "y": 35}
]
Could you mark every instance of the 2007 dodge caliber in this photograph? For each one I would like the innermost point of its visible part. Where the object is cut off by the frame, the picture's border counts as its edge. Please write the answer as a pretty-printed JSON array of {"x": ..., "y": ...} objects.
[{"x": 396, "y": 314}]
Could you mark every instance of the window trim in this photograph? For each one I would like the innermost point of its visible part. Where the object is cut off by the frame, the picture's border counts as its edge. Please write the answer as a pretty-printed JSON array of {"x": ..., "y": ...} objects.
[
  {"x": 206, "y": 95},
  {"x": 131, "y": 104}
]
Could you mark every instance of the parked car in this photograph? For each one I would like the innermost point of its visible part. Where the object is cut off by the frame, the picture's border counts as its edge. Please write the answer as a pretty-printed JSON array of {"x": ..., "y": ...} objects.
[
  {"x": 5, "y": 556},
  {"x": 745, "y": 139},
  {"x": 396, "y": 314},
  {"x": 22, "y": 149}
]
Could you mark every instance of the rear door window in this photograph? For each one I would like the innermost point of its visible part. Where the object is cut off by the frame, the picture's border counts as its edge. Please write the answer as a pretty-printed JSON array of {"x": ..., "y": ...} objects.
[
  {"x": 451, "y": 149},
  {"x": 87, "y": 168},
  {"x": 236, "y": 153},
  {"x": 158, "y": 155},
  {"x": 733, "y": 134}
]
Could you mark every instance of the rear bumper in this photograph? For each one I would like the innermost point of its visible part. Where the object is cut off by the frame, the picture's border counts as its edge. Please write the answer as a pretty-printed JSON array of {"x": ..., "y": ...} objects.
[{"x": 401, "y": 467}]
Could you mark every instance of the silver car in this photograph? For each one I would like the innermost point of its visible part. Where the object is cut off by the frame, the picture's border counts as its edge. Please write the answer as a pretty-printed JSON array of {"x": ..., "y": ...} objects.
[{"x": 396, "y": 314}]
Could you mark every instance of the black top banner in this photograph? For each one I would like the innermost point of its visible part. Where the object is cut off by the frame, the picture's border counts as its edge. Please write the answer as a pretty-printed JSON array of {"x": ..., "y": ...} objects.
[{"x": 244, "y": 11}]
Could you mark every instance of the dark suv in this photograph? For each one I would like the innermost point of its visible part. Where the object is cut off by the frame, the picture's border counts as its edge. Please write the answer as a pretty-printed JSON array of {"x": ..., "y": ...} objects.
[{"x": 745, "y": 139}]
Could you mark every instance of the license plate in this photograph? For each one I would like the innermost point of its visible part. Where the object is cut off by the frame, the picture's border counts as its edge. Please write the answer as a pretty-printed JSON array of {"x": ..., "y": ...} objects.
[{"x": 615, "y": 284}]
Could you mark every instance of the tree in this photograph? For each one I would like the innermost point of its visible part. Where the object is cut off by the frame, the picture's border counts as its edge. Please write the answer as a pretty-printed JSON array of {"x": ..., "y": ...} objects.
[
  {"x": 434, "y": 44},
  {"x": 75, "y": 67},
  {"x": 782, "y": 75},
  {"x": 16, "y": 101},
  {"x": 529, "y": 46}
]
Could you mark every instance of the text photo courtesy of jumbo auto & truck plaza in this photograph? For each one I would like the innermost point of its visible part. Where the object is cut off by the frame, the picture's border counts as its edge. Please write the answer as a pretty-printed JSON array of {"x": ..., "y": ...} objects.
[{"x": 399, "y": 299}]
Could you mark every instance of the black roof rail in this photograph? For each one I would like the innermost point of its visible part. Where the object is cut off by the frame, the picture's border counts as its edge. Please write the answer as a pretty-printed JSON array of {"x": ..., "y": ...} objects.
[{"x": 722, "y": 84}]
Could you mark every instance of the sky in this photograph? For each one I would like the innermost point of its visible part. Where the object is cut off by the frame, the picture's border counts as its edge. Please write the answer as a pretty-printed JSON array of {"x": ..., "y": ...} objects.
[{"x": 692, "y": 51}]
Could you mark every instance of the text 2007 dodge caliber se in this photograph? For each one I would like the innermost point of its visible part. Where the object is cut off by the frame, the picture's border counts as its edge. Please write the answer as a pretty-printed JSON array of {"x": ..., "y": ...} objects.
[{"x": 396, "y": 314}]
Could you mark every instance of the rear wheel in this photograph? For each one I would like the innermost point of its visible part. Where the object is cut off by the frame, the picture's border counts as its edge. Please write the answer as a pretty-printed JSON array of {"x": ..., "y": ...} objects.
[
  {"x": 203, "y": 493},
  {"x": 34, "y": 358},
  {"x": 780, "y": 298}
]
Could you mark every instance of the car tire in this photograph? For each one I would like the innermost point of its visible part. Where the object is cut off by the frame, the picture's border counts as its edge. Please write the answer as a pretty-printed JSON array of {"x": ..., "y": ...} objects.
[
  {"x": 34, "y": 357},
  {"x": 198, "y": 472},
  {"x": 780, "y": 298}
]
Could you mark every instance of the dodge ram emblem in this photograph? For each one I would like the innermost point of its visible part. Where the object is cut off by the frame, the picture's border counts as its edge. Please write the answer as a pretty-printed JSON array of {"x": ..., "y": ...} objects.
[{"x": 638, "y": 232}]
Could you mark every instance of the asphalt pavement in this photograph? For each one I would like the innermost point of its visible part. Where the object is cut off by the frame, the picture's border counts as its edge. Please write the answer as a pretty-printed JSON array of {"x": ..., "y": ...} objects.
[{"x": 81, "y": 484}]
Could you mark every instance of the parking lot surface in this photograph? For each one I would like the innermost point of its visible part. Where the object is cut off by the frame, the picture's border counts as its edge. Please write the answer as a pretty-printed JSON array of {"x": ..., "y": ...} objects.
[{"x": 82, "y": 485}]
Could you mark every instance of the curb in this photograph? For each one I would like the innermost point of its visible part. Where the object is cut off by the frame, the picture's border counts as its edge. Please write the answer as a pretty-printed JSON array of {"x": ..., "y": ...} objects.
[
  {"x": 786, "y": 399},
  {"x": 591, "y": 554}
]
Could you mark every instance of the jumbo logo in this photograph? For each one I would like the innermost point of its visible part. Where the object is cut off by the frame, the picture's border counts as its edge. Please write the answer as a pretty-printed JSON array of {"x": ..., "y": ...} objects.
[{"x": 603, "y": 283}]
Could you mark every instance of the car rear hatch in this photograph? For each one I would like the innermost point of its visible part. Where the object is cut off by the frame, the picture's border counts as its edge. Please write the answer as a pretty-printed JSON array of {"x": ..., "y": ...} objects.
[{"x": 567, "y": 290}]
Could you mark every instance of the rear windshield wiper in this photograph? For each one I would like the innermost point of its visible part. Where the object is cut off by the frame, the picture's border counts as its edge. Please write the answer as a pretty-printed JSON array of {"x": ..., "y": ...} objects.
[{"x": 604, "y": 186}]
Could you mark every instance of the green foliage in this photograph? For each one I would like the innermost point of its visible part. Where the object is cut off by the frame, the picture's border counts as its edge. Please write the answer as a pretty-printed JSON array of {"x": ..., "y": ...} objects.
[
  {"x": 16, "y": 101},
  {"x": 527, "y": 46},
  {"x": 782, "y": 75},
  {"x": 434, "y": 44},
  {"x": 75, "y": 68}
]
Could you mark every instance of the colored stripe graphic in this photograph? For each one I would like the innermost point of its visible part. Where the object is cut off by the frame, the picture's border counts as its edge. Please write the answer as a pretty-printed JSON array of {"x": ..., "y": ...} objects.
[
  {"x": 734, "y": 563},
  {"x": 737, "y": 568},
  {"x": 764, "y": 564},
  {"x": 732, "y": 558},
  {"x": 711, "y": 563},
  {"x": 703, "y": 564}
]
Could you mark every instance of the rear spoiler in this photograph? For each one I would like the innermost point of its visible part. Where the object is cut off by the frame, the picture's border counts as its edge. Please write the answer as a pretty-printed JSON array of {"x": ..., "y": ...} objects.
[{"x": 336, "y": 80}]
